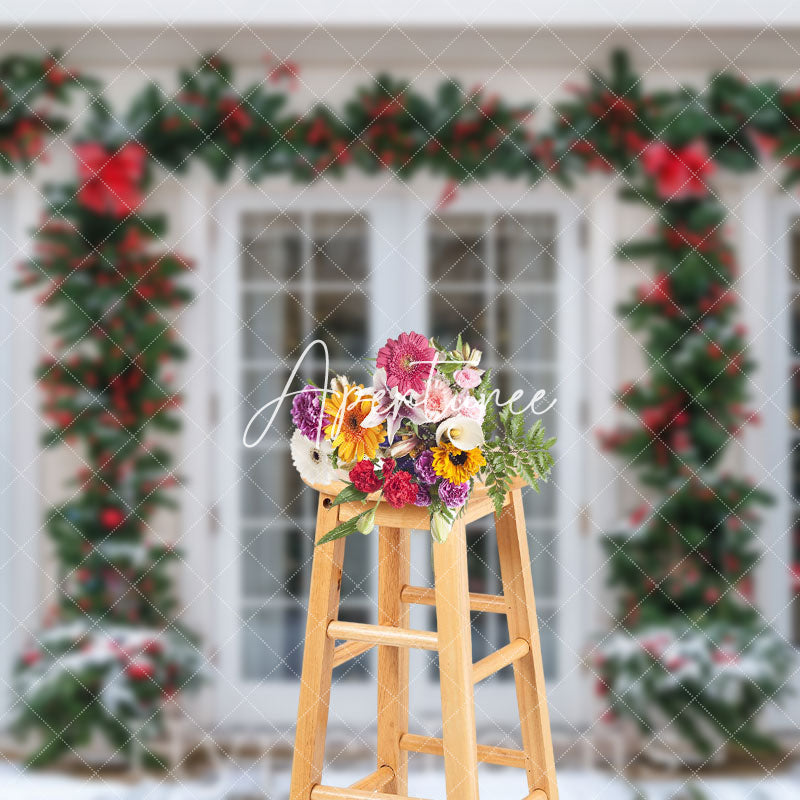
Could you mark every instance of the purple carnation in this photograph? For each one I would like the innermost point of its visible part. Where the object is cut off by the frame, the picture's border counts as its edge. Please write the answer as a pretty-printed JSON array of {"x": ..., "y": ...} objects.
[
  {"x": 423, "y": 496},
  {"x": 306, "y": 412},
  {"x": 454, "y": 495},
  {"x": 423, "y": 466}
]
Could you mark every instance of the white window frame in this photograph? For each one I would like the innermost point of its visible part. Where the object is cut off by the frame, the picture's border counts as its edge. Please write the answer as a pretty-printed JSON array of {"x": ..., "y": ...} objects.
[{"x": 397, "y": 217}]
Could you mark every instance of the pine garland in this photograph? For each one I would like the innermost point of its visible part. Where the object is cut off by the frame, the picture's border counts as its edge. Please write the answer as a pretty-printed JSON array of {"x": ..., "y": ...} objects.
[{"x": 687, "y": 643}]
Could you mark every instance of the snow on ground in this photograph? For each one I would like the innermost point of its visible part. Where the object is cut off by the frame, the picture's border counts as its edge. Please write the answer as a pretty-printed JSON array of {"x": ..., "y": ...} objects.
[{"x": 495, "y": 785}]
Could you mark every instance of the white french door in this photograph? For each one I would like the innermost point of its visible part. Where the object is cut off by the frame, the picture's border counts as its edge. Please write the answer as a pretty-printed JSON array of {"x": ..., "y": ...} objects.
[{"x": 505, "y": 276}]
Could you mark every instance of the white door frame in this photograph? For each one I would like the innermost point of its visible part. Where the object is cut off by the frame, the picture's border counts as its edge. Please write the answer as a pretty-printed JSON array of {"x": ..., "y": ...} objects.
[
  {"x": 20, "y": 558},
  {"x": 398, "y": 240},
  {"x": 774, "y": 584}
]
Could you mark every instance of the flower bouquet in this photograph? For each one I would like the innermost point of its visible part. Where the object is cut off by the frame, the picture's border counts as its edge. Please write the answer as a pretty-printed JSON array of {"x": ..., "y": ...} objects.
[{"x": 423, "y": 434}]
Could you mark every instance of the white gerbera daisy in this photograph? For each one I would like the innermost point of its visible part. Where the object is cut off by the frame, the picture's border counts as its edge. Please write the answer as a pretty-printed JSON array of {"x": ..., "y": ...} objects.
[{"x": 312, "y": 462}]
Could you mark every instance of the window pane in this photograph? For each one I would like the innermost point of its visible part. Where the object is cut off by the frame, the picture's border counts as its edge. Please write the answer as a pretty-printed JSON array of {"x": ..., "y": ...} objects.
[
  {"x": 525, "y": 250},
  {"x": 542, "y": 506},
  {"x": 458, "y": 249},
  {"x": 359, "y": 564},
  {"x": 529, "y": 382},
  {"x": 266, "y": 491},
  {"x": 262, "y": 386},
  {"x": 544, "y": 562},
  {"x": 794, "y": 263},
  {"x": 271, "y": 248},
  {"x": 456, "y": 312},
  {"x": 272, "y": 644},
  {"x": 795, "y": 462},
  {"x": 526, "y": 325},
  {"x": 341, "y": 323},
  {"x": 271, "y": 324},
  {"x": 340, "y": 247},
  {"x": 795, "y": 581},
  {"x": 548, "y": 636},
  {"x": 272, "y": 564},
  {"x": 795, "y": 325}
]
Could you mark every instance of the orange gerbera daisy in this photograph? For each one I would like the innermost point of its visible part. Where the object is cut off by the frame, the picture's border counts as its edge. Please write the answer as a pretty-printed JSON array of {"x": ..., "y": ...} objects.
[{"x": 347, "y": 410}]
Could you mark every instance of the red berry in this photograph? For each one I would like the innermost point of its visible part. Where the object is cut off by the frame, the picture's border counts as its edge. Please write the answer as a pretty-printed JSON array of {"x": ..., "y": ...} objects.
[
  {"x": 111, "y": 518},
  {"x": 140, "y": 670}
]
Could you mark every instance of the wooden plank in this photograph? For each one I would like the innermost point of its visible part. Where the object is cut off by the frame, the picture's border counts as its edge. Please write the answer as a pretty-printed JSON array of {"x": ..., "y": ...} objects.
[
  {"x": 411, "y": 517},
  {"x": 489, "y": 603},
  {"x": 455, "y": 665},
  {"x": 315, "y": 682},
  {"x": 376, "y": 781},
  {"x": 349, "y": 650},
  {"x": 501, "y": 756},
  {"x": 494, "y": 662},
  {"x": 515, "y": 569},
  {"x": 334, "y": 793},
  {"x": 394, "y": 566},
  {"x": 382, "y": 634},
  {"x": 481, "y": 506}
]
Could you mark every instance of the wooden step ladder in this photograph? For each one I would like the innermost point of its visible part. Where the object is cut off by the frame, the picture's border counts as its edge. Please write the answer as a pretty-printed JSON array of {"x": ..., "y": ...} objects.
[{"x": 452, "y": 641}]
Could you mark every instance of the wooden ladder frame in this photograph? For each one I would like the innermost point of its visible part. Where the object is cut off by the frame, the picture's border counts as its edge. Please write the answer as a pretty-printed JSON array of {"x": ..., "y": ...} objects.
[{"x": 452, "y": 640}]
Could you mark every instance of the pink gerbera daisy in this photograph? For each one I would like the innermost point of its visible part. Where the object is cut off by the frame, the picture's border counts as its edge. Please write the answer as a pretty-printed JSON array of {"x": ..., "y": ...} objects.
[{"x": 408, "y": 361}]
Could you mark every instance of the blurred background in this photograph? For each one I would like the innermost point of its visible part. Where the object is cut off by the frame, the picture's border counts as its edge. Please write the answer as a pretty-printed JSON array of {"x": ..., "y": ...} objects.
[{"x": 528, "y": 275}]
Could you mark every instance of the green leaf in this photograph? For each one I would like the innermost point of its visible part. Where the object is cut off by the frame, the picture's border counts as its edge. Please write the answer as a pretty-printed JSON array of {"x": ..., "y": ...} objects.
[
  {"x": 348, "y": 495},
  {"x": 344, "y": 529}
]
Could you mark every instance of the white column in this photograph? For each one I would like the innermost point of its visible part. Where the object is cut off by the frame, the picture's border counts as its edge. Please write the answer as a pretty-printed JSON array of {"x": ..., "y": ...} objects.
[
  {"x": 763, "y": 255},
  {"x": 198, "y": 530},
  {"x": 23, "y": 493},
  {"x": 602, "y": 380},
  {"x": 764, "y": 219}
]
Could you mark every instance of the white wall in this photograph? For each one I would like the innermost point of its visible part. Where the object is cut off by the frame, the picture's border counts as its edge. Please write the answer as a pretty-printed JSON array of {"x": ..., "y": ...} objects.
[{"x": 521, "y": 64}]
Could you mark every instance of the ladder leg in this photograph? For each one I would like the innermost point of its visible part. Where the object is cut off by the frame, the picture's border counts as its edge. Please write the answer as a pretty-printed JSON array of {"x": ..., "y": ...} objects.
[
  {"x": 393, "y": 574},
  {"x": 455, "y": 665},
  {"x": 512, "y": 543},
  {"x": 315, "y": 683}
]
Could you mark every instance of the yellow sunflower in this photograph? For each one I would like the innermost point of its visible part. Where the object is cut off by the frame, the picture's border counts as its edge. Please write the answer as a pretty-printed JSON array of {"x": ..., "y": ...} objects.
[
  {"x": 347, "y": 409},
  {"x": 456, "y": 466}
]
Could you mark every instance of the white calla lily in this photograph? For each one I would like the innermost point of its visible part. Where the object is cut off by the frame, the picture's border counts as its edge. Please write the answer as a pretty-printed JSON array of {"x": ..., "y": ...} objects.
[
  {"x": 440, "y": 528},
  {"x": 463, "y": 432}
]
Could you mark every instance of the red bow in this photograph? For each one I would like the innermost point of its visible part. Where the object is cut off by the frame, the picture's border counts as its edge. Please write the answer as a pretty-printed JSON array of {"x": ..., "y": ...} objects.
[{"x": 110, "y": 181}]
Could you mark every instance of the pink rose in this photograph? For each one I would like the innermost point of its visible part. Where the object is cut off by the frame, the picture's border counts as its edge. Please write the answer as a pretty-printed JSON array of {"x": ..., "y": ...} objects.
[{"x": 468, "y": 378}]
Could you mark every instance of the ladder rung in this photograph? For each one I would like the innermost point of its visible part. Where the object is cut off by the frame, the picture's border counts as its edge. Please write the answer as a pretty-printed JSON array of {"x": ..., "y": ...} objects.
[
  {"x": 491, "y": 603},
  {"x": 333, "y": 793},
  {"x": 383, "y": 634},
  {"x": 346, "y": 651},
  {"x": 376, "y": 781},
  {"x": 503, "y": 756},
  {"x": 494, "y": 662},
  {"x": 537, "y": 794}
]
